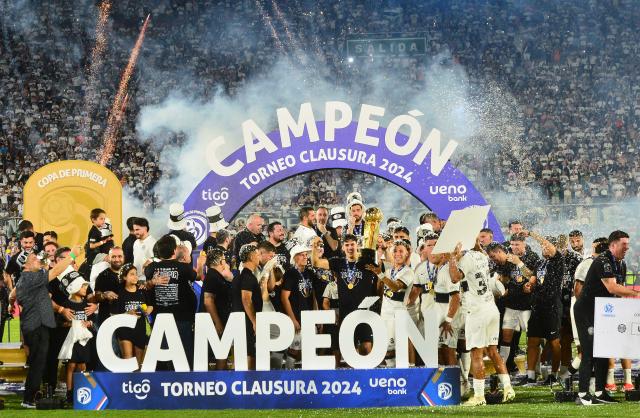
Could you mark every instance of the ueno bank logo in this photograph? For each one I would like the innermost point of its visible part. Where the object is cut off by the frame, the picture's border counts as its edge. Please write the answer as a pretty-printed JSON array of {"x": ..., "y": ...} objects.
[
  {"x": 139, "y": 390},
  {"x": 83, "y": 395},
  {"x": 454, "y": 193},
  {"x": 445, "y": 391}
]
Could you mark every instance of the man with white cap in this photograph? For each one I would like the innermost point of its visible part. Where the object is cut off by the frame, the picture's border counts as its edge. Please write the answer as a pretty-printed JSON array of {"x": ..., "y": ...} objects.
[
  {"x": 297, "y": 296},
  {"x": 355, "y": 209},
  {"x": 177, "y": 224},
  {"x": 216, "y": 223}
]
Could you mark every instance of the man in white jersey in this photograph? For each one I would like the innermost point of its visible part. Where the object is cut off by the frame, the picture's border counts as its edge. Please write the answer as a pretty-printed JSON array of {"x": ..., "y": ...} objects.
[
  {"x": 482, "y": 320},
  {"x": 395, "y": 283}
]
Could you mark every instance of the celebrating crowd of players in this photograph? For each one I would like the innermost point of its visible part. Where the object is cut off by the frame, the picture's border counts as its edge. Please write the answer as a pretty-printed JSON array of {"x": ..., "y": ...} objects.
[{"x": 481, "y": 299}]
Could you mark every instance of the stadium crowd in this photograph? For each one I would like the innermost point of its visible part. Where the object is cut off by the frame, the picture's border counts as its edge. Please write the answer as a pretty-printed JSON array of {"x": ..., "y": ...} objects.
[{"x": 569, "y": 67}]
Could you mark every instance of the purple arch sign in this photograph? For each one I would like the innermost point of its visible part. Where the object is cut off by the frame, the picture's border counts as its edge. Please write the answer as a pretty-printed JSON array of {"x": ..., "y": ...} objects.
[{"x": 443, "y": 192}]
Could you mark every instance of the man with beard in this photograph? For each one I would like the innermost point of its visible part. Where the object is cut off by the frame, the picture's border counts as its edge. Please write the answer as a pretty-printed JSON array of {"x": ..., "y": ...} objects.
[
  {"x": 297, "y": 296},
  {"x": 546, "y": 307},
  {"x": 251, "y": 233},
  {"x": 216, "y": 294},
  {"x": 577, "y": 242},
  {"x": 571, "y": 261},
  {"x": 517, "y": 299},
  {"x": 354, "y": 284},
  {"x": 276, "y": 236},
  {"x": 606, "y": 278},
  {"x": 485, "y": 237},
  {"x": 107, "y": 284},
  {"x": 355, "y": 210},
  {"x": 107, "y": 288},
  {"x": 305, "y": 231},
  {"x": 13, "y": 269},
  {"x": 143, "y": 247},
  {"x": 327, "y": 232},
  {"x": 26, "y": 225}
]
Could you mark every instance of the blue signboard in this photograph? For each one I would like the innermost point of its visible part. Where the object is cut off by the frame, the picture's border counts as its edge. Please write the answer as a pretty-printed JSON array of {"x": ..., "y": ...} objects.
[{"x": 275, "y": 389}]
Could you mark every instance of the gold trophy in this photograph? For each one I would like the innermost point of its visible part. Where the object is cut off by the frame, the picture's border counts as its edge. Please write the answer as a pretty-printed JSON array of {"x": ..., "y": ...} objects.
[{"x": 372, "y": 220}]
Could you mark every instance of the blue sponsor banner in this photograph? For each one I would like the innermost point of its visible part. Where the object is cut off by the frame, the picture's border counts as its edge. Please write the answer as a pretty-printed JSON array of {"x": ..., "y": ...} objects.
[{"x": 275, "y": 389}]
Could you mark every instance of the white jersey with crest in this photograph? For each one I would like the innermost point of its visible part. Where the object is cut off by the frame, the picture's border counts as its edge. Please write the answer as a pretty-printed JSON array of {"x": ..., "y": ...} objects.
[{"x": 475, "y": 286}]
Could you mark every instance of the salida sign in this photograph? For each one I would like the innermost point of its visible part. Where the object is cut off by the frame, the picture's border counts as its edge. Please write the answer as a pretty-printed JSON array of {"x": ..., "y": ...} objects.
[{"x": 345, "y": 138}]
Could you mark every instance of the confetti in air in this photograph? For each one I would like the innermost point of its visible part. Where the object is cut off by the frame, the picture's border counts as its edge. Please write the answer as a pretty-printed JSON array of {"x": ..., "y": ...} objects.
[
  {"x": 267, "y": 20},
  {"x": 120, "y": 102},
  {"x": 94, "y": 68}
]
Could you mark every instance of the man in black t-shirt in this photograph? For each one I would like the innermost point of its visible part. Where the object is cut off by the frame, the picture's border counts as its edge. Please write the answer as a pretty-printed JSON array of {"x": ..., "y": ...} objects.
[
  {"x": 605, "y": 278},
  {"x": 107, "y": 285},
  {"x": 14, "y": 266},
  {"x": 247, "y": 297},
  {"x": 328, "y": 233},
  {"x": 252, "y": 233},
  {"x": 177, "y": 296},
  {"x": 297, "y": 296},
  {"x": 127, "y": 244},
  {"x": 354, "y": 284},
  {"x": 514, "y": 274},
  {"x": 546, "y": 307},
  {"x": 276, "y": 236},
  {"x": 216, "y": 294}
]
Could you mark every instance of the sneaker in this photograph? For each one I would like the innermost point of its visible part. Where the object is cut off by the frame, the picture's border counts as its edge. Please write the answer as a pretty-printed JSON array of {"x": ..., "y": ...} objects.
[
  {"x": 628, "y": 387},
  {"x": 610, "y": 387},
  {"x": 475, "y": 401},
  {"x": 465, "y": 390},
  {"x": 509, "y": 394},
  {"x": 528, "y": 382},
  {"x": 28, "y": 405},
  {"x": 606, "y": 398}
]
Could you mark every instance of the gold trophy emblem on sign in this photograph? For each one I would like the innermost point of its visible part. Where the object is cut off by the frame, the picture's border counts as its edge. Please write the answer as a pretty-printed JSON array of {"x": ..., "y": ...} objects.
[{"x": 372, "y": 220}]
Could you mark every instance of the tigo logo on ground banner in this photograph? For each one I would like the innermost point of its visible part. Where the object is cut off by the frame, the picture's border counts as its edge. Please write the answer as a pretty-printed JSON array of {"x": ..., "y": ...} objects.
[{"x": 140, "y": 390}]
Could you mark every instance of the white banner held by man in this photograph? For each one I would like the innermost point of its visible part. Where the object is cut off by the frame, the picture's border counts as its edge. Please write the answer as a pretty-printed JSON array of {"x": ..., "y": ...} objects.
[
  {"x": 462, "y": 226},
  {"x": 617, "y": 328}
]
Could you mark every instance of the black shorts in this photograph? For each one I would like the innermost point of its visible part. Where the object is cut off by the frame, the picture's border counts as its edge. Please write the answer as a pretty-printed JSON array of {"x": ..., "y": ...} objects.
[
  {"x": 332, "y": 330},
  {"x": 545, "y": 322},
  {"x": 363, "y": 333},
  {"x": 251, "y": 339},
  {"x": 137, "y": 336},
  {"x": 81, "y": 353}
]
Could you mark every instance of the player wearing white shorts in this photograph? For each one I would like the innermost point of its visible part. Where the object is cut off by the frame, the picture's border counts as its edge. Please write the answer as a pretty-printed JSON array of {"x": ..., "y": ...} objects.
[
  {"x": 482, "y": 321},
  {"x": 395, "y": 283}
]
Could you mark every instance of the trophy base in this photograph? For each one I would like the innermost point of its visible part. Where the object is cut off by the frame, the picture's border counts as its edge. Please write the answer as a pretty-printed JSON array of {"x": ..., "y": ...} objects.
[{"x": 367, "y": 256}]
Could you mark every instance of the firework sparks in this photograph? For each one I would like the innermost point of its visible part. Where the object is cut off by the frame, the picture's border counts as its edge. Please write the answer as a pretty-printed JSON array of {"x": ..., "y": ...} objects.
[
  {"x": 267, "y": 20},
  {"x": 122, "y": 97},
  {"x": 97, "y": 55}
]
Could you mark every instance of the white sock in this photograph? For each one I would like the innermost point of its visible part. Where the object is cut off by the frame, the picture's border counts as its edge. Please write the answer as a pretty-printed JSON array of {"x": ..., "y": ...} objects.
[
  {"x": 478, "y": 388},
  {"x": 465, "y": 360},
  {"x": 592, "y": 384},
  {"x": 504, "y": 352},
  {"x": 576, "y": 363},
  {"x": 627, "y": 376},
  {"x": 505, "y": 380},
  {"x": 531, "y": 374},
  {"x": 289, "y": 362},
  {"x": 276, "y": 361},
  {"x": 610, "y": 379},
  {"x": 391, "y": 362}
]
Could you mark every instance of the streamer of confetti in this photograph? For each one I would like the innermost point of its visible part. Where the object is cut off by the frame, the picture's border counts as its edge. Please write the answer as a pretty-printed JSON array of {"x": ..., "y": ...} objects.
[{"x": 97, "y": 55}]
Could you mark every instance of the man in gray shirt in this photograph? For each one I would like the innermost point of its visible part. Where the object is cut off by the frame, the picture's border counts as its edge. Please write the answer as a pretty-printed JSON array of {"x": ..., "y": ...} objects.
[{"x": 36, "y": 317}]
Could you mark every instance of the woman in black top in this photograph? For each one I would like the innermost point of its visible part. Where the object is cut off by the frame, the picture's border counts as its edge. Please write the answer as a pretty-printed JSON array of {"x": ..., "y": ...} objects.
[{"x": 132, "y": 301}]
